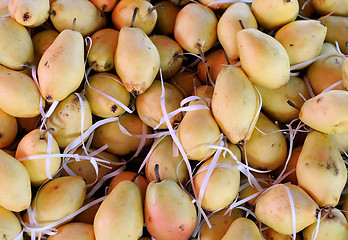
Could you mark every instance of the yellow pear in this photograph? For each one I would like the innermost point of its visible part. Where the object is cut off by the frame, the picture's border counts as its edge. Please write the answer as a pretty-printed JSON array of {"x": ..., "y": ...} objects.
[
  {"x": 10, "y": 227},
  {"x": 263, "y": 58},
  {"x": 333, "y": 225},
  {"x": 148, "y": 104},
  {"x": 266, "y": 148},
  {"x": 170, "y": 166},
  {"x": 219, "y": 224},
  {"x": 76, "y": 230},
  {"x": 145, "y": 19},
  {"x": 195, "y": 28},
  {"x": 104, "y": 5},
  {"x": 275, "y": 101},
  {"x": 166, "y": 17},
  {"x": 42, "y": 41},
  {"x": 185, "y": 82},
  {"x": 88, "y": 215},
  {"x": 88, "y": 18},
  {"x": 16, "y": 45},
  {"x": 8, "y": 129},
  {"x": 302, "y": 39},
  {"x": 169, "y": 211},
  {"x": 215, "y": 6},
  {"x": 270, "y": 234},
  {"x": 264, "y": 181},
  {"x": 19, "y": 95},
  {"x": 66, "y": 119},
  {"x": 223, "y": 183},
  {"x": 111, "y": 85},
  {"x": 341, "y": 140},
  {"x": 326, "y": 71},
  {"x": 29, "y": 13},
  {"x": 321, "y": 160},
  {"x": 229, "y": 25},
  {"x": 326, "y": 112},
  {"x": 273, "y": 208},
  {"x": 335, "y": 25},
  {"x": 169, "y": 50},
  {"x": 235, "y": 104},
  {"x": 204, "y": 91},
  {"x": 102, "y": 52},
  {"x": 190, "y": 133},
  {"x": 120, "y": 216},
  {"x": 338, "y": 7},
  {"x": 15, "y": 190},
  {"x": 272, "y": 14},
  {"x": 242, "y": 229},
  {"x": 36, "y": 143},
  {"x": 137, "y": 60},
  {"x": 56, "y": 79},
  {"x": 119, "y": 142}
]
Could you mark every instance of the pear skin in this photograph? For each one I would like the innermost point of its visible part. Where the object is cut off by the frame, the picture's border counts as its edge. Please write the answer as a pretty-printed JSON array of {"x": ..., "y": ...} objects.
[
  {"x": 121, "y": 214},
  {"x": 273, "y": 208},
  {"x": 326, "y": 112},
  {"x": 166, "y": 17},
  {"x": 336, "y": 30},
  {"x": 29, "y": 13},
  {"x": 235, "y": 104},
  {"x": 36, "y": 143},
  {"x": 104, "y": 5},
  {"x": 340, "y": 8},
  {"x": 15, "y": 39},
  {"x": 8, "y": 129},
  {"x": 137, "y": 60},
  {"x": 320, "y": 159},
  {"x": 263, "y": 58},
  {"x": 264, "y": 181},
  {"x": 15, "y": 189},
  {"x": 10, "y": 225},
  {"x": 345, "y": 73},
  {"x": 169, "y": 211},
  {"x": 88, "y": 18},
  {"x": 19, "y": 95},
  {"x": 55, "y": 77},
  {"x": 76, "y": 230},
  {"x": 42, "y": 41},
  {"x": 270, "y": 234},
  {"x": 242, "y": 229},
  {"x": 88, "y": 215},
  {"x": 185, "y": 82}
]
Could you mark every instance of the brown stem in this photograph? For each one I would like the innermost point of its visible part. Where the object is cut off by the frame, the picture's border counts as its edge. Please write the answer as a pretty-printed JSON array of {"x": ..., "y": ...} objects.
[
  {"x": 52, "y": 13},
  {"x": 158, "y": 178},
  {"x": 135, "y": 176},
  {"x": 226, "y": 58},
  {"x": 155, "y": 7},
  {"x": 42, "y": 136},
  {"x": 241, "y": 23},
  {"x": 293, "y": 105},
  {"x": 74, "y": 24},
  {"x": 207, "y": 69},
  {"x": 134, "y": 16},
  {"x": 102, "y": 11}
]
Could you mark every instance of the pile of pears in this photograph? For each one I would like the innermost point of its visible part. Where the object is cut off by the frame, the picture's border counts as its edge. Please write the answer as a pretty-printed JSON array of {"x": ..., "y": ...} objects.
[{"x": 173, "y": 119}]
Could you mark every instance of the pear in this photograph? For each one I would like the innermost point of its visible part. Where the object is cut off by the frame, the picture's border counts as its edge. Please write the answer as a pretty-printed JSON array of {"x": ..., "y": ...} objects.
[
  {"x": 326, "y": 71},
  {"x": 119, "y": 142},
  {"x": 121, "y": 214},
  {"x": 272, "y": 14},
  {"x": 345, "y": 74},
  {"x": 111, "y": 85},
  {"x": 223, "y": 183},
  {"x": 195, "y": 28},
  {"x": 169, "y": 50},
  {"x": 137, "y": 60},
  {"x": 145, "y": 19},
  {"x": 56, "y": 79},
  {"x": 19, "y": 95},
  {"x": 219, "y": 224},
  {"x": 338, "y": 7},
  {"x": 321, "y": 160},
  {"x": 270, "y": 234},
  {"x": 229, "y": 25},
  {"x": 185, "y": 82},
  {"x": 215, "y": 6},
  {"x": 326, "y": 112},
  {"x": 88, "y": 18},
  {"x": 16, "y": 45},
  {"x": 336, "y": 30},
  {"x": 104, "y": 5},
  {"x": 263, "y": 58},
  {"x": 341, "y": 140},
  {"x": 170, "y": 166},
  {"x": 169, "y": 211},
  {"x": 102, "y": 52},
  {"x": 15, "y": 190},
  {"x": 333, "y": 225},
  {"x": 275, "y": 101},
  {"x": 28, "y": 124},
  {"x": 29, "y": 13},
  {"x": 166, "y": 17},
  {"x": 191, "y": 136},
  {"x": 42, "y": 41},
  {"x": 273, "y": 208},
  {"x": 75, "y": 230},
  {"x": 264, "y": 181},
  {"x": 36, "y": 143},
  {"x": 242, "y": 229},
  {"x": 10, "y": 225},
  {"x": 235, "y": 104},
  {"x": 266, "y": 148},
  {"x": 149, "y": 108},
  {"x": 302, "y": 39},
  {"x": 204, "y": 91},
  {"x": 8, "y": 129},
  {"x": 345, "y": 208},
  {"x": 66, "y": 120},
  {"x": 88, "y": 215}
]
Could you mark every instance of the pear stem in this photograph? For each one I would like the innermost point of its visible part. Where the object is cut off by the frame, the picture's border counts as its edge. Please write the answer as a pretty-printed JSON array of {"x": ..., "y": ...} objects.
[
  {"x": 102, "y": 11},
  {"x": 226, "y": 58},
  {"x": 207, "y": 69},
  {"x": 42, "y": 136},
  {"x": 134, "y": 16},
  {"x": 158, "y": 178},
  {"x": 73, "y": 24},
  {"x": 52, "y": 13},
  {"x": 293, "y": 105},
  {"x": 136, "y": 175},
  {"x": 241, "y": 23},
  {"x": 155, "y": 7}
]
